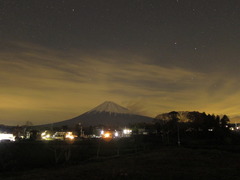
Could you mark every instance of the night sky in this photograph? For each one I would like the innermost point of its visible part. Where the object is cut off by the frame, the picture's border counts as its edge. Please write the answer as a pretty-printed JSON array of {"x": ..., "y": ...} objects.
[{"x": 61, "y": 58}]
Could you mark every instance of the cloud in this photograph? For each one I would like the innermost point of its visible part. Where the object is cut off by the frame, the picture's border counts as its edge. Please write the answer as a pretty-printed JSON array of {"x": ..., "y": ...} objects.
[{"x": 55, "y": 85}]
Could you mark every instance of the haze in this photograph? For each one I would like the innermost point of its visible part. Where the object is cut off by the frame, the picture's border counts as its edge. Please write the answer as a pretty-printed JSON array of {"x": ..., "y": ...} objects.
[{"x": 59, "y": 59}]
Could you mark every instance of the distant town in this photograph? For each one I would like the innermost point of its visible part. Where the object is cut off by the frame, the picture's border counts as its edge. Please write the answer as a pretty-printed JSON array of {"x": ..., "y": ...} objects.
[
  {"x": 110, "y": 121},
  {"x": 111, "y": 138}
]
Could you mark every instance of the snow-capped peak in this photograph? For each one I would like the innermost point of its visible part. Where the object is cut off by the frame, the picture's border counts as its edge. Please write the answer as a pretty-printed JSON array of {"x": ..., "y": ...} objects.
[{"x": 110, "y": 107}]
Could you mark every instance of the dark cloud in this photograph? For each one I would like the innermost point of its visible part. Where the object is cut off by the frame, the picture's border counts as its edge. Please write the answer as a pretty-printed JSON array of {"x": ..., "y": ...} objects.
[
  {"x": 33, "y": 81},
  {"x": 169, "y": 55}
]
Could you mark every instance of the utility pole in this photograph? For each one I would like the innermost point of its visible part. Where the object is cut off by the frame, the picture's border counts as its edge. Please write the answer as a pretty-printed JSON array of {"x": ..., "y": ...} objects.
[{"x": 179, "y": 142}]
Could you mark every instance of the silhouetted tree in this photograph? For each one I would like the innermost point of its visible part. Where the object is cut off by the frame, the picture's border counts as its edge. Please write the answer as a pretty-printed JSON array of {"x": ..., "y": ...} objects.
[
  {"x": 218, "y": 120},
  {"x": 89, "y": 130},
  {"x": 78, "y": 129},
  {"x": 65, "y": 128},
  {"x": 224, "y": 121}
]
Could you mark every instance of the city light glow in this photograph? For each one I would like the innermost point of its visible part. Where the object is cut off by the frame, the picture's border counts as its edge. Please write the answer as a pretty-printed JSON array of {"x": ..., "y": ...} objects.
[
  {"x": 70, "y": 136},
  {"x": 46, "y": 136},
  {"x": 127, "y": 131},
  {"x": 8, "y": 137},
  {"x": 107, "y": 135}
]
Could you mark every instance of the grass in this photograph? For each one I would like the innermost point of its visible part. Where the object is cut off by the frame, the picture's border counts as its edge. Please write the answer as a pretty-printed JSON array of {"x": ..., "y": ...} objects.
[{"x": 161, "y": 163}]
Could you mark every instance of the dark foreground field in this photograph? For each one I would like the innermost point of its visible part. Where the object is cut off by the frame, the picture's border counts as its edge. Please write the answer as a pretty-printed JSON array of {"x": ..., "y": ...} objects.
[{"x": 158, "y": 163}]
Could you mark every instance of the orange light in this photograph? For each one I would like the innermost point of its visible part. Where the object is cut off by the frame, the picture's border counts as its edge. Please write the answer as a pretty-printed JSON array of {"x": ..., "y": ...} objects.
[{"x": 107, "y": 135}]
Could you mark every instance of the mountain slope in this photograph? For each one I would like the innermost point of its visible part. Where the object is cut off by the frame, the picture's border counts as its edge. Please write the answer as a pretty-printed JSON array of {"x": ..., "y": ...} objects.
[
  {"x": 110, "y": 107},
  {"x": 106, "y": 114}
]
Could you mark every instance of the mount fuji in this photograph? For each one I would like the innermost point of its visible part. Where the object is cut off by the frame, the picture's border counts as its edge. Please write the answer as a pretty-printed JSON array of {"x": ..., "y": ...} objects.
[{"x": 107, "y": 114}]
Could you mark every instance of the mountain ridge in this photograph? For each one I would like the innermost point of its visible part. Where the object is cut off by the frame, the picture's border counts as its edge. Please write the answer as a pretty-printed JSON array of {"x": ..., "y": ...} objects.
[
  {"x": 111, "y": 107},
  {"x": 106, "y": 114}
]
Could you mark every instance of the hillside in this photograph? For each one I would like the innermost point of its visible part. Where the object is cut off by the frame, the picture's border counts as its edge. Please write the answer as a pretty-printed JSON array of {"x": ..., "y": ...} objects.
[{"x": 105, "y": 114}]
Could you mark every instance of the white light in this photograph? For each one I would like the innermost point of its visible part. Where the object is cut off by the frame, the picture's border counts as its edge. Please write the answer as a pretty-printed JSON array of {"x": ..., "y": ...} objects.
[
  {"x": 7, "y": 137},
  {"x": 116, "y": 134},
  {"x": 102, "y": 132},
  {"x": 69, "y": 135},
  {"x": 43, "y": 134},
  {"x": 127, "y": 131}
]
